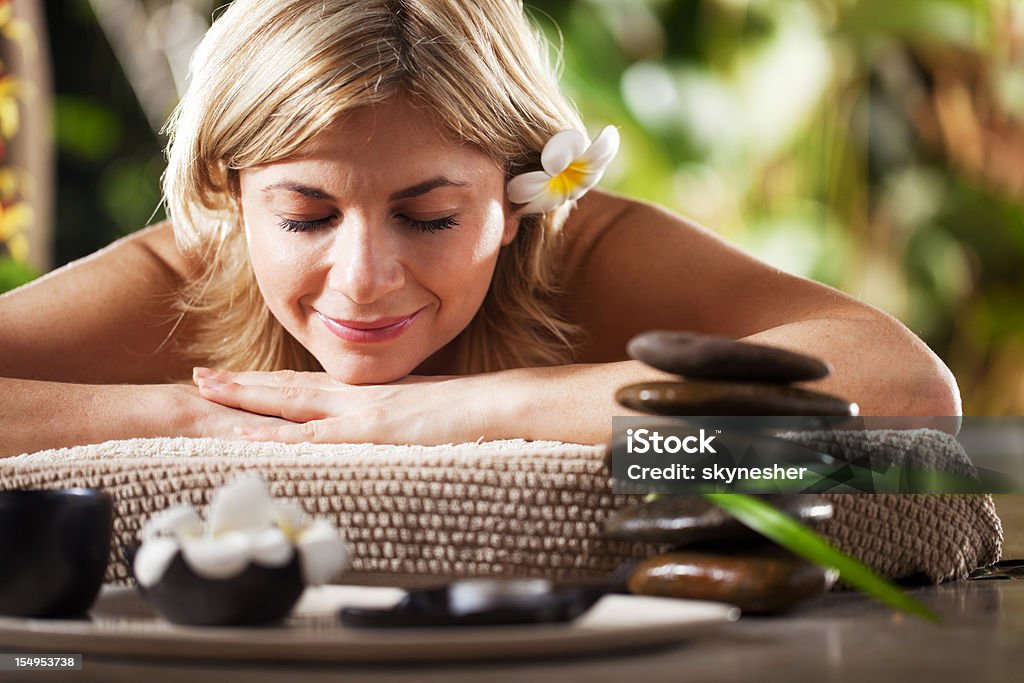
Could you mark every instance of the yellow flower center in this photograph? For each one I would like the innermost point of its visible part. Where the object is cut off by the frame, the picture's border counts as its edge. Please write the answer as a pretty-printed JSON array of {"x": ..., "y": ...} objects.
[{"x": 568, "y": 180}]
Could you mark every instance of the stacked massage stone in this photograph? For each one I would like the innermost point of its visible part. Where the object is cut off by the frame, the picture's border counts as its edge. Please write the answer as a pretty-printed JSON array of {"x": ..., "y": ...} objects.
[
  {"x": 714, "y": 557},
  {"x": 722, "y": 376}
]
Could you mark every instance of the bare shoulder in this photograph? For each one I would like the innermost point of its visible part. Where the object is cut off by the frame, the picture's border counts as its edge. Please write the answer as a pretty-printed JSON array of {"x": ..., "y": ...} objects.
[
  {"x": 109, "y": 317},
  {"x": 605, "y": 224},
  {"x": 159, "y": 240},
  {"x": 594, "y": 214},
  {"x": 633, "y": 266}
]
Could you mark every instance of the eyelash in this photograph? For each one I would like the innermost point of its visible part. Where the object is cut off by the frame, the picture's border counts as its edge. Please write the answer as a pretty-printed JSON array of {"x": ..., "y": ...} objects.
[
  {"x": 304, "y": 226},
  {"x": 436, "y": 225}
]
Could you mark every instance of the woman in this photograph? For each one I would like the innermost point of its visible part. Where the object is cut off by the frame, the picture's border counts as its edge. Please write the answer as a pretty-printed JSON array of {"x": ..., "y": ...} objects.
[{"x": 344, "y": 259}]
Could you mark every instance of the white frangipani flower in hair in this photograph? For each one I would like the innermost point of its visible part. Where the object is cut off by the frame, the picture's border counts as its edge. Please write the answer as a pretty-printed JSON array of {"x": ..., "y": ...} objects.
[{"x": 571, "y": 167}]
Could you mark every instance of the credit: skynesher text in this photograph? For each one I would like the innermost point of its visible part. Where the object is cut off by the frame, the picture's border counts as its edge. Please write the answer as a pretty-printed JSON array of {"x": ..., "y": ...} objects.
[{"x": 715, "y": 473}]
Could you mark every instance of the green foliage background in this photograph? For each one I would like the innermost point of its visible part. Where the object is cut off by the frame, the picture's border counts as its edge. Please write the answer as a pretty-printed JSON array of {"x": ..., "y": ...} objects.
[
  {"x": 873, "y": 145},
  {"x": 868, "y": 144},
  {"x": 109, "y": 160}
]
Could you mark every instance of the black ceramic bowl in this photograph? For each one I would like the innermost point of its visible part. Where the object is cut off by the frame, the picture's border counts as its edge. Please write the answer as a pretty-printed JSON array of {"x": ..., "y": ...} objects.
[
  {"x": 255, "y": 597},
  {"x": 54, "y": 547}
]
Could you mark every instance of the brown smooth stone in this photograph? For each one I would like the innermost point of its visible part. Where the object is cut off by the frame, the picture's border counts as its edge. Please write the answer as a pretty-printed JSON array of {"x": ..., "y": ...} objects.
[
  {"x": 685, "y": 519},
  {"x": 704, "y": 356},
  {"x": 696, "y": 397},
  {"x": 758, "y": 584}
]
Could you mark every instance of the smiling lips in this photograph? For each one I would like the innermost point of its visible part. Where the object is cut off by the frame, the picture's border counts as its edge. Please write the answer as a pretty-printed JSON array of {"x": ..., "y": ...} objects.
[{"x": 380, "y": 330}]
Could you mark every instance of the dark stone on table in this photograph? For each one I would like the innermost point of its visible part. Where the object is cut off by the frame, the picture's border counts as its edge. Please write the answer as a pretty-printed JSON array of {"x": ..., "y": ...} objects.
[
  {"x": 705, "y": 356},
  {"x": 758, "y": 584},
  {"x": 478, "y": 602},
  {"x": 683, "y": 520},
  {"x": 697, "y": 397}
]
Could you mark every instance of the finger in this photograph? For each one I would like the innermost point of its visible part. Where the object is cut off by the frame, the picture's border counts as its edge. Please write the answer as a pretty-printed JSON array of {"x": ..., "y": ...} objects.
[
  {"x": 337, "y": 430},
  {"x": 314, "y": 431},
  {"x": 278, "y": 378},
  {"x": 247, "y": 422},
  {"x": 223, "y": 422},
  {"x": 298, "y": 404}
]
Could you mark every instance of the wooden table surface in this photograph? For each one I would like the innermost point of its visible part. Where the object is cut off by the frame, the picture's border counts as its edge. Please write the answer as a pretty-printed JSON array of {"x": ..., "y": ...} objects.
[{"x": 838, "y": 637}]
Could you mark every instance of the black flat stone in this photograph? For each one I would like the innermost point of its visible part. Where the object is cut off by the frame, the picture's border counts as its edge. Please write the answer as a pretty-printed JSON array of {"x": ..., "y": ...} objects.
[
  {"x": 697, "y": 397},
  {"x": 702, "y": 356},
  {"x": 684, "y": 520},
  {"x": 433, "y": 607}
]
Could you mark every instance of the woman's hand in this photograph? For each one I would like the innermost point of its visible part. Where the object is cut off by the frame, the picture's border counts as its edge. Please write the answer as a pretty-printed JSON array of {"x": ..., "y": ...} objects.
[
  {"x": 189, "y": 414},
  {"x": 420, "y": 410}
]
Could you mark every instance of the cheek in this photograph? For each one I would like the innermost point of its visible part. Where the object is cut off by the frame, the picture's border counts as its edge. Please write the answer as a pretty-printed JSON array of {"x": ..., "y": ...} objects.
[
  {"x": 282, "y": 269},
  {"x": 468, "y": 262},
  {"x": 488, "y": 241},
  {"x": 467, "y": 277}
]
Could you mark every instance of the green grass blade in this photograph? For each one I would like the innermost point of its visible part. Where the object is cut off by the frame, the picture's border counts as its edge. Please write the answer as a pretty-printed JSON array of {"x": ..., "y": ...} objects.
[{"x": 799, "y": 539}]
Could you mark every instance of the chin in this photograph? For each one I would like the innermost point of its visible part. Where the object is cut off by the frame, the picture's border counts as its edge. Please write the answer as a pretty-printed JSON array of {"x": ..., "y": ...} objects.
[{"x": 365, "y": 371}]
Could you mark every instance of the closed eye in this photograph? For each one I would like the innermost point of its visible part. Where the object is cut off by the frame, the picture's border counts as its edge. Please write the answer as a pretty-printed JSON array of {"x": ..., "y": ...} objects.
[
  {"x": 304, "y": 226},
  {"x": 434, "y": 225}
]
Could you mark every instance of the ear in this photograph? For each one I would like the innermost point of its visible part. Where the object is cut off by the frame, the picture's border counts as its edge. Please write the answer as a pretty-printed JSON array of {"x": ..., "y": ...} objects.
[{"x": 511, "y": 227}]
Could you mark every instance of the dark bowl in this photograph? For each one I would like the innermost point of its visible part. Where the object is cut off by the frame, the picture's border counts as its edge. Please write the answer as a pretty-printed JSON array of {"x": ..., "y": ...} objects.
[
  {"x": 54, "y": 547},
  {"x": 256, "y": 596}
]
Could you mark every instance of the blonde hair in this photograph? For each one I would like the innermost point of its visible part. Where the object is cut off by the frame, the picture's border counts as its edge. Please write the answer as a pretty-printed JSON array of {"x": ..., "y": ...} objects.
[{"x": 270, "y": 74}]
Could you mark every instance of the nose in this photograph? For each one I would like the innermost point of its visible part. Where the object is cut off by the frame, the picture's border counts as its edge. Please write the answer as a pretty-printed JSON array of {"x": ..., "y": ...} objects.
[{"x": 364, "y": 261}]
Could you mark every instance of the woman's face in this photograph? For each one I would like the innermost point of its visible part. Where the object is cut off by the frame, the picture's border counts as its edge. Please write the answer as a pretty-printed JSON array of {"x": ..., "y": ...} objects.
[{"x": 377, "y": 245}]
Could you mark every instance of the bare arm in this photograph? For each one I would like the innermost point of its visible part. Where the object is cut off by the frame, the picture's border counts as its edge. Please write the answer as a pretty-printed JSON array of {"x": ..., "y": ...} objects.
[
  {"x": 89, "y": 350},
  {"x": 39, "y": 414},
  {"x": 650, "y": 269}
]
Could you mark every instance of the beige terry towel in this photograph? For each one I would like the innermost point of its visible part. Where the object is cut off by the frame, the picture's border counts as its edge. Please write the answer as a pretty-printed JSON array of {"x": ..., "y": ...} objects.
[{"x": 415, "y": 515}]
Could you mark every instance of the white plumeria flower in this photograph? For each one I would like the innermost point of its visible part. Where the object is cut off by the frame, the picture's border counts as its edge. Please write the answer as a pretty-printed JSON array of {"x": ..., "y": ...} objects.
[
  {"x": 180, "y": 521},
  {"x": 244, "y": 504},
  {"x": 571, "y": 168},
  {"x": 246, "y": 525}
]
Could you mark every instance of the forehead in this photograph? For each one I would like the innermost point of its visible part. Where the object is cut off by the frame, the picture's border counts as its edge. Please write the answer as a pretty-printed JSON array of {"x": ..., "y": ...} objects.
[{"x": 394, "y": 138}]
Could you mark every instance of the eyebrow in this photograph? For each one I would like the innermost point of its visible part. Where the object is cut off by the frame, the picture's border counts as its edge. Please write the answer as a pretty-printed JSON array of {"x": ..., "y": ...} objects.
[
  {"x": 409, "y": 192},
  {"x": 304, "y": 190}
]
